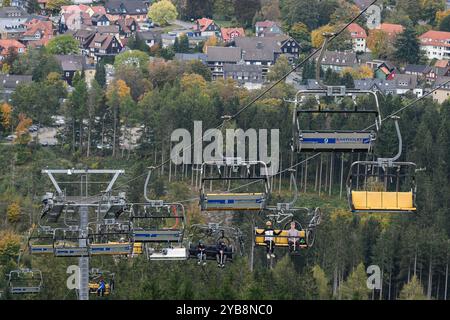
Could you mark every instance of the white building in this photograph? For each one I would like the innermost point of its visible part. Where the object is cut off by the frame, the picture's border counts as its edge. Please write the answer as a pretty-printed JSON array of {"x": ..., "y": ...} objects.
[
  {"x": 359, "y": 37},
  {"x": 436, "y": 44}
]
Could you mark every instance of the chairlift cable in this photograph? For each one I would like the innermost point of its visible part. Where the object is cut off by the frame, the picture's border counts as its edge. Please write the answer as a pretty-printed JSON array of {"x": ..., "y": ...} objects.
[{"x": 258, "y": 97}]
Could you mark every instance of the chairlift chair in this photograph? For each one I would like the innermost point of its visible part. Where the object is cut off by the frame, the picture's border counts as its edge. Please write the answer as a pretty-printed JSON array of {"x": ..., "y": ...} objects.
[
  {"x": 25, "y": 281},
  {"x": 211, "y": 235},
  {"x": 333, "y": 140},
  {"x": 384, "y": 185},
  {"x": 110, "y": 238},
  {"x": 234, "y": 169},
  {"x": 94, "y": 281},
  {"x": 41, "y": 240},
  {"x": 158, "y": 226},
  {"x": 67, "y": 242},
  {"x": 304, "y": 240},
  {"x": 52, "y": 207}
]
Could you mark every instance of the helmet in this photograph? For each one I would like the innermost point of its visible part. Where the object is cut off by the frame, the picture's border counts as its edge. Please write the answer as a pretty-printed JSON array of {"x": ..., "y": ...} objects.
[{"x": 268, "y": 223}]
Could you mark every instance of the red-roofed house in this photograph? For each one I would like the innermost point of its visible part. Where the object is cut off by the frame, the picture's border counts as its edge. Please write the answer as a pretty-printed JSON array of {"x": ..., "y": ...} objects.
[
  {"x": 5, "y": 44},
  {"x": 392, "y": 30},
  {"x": 74, "y": 8},
  {"x": 228, "y": 34},
  {"x": 359, "y": 37},
  {"x": 205, "y": 27},
  {"x": 38, "y": 33},
  {"x": 436, "y": 44}
]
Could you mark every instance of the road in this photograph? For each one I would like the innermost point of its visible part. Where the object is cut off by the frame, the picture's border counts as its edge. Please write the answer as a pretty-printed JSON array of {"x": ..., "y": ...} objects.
[{"x": 183, "y": 24}]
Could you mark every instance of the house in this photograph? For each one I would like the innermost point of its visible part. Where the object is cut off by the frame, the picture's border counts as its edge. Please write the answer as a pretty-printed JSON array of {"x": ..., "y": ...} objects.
[
  {"x": 205, "y": 27},
  {"x": 12, "y": 22},
  {"x": 442, "y": 64},
  {"x": 9, "y": 83},
  {"x": 246, "y": 75},
  {"x": 386, "y": 87},
  {"x": 407, "y": 83},
  {"x": 104, "y": 45},
  {"x": 8, "y": 44},
  {"x": 228, "y": 34},
  {"x": 401, "y": 85},
  {"x": 385, "y": 71},
  {"x": 71, "y": 64},
  {"x": 98, "y": 19},
  {"x": 392, "y": 30},
  {"x": 217, "y": 57},
  {"x": 84, "y": 37},
  {"x": 433, "y": 73},
  {"x": 38, "y": 33},
  {"x": 149, "y": 37},
  {"x": 337, "y": 61},
  {"x": 168, "y": 39},
  {"x": 435, "y": 44},
  {"x": 443, "y": 93},
  {"x": 359, "y": 37},
  {"x": 191, "y": 57},
  {"x": 266, "y": 50},
  {"x": 417, "y": 69},
  {"x": 136, "y": 9},
  {"x": 127, "y": 27},
  {"x": 73, "y": 21},
  {"x": 267, "y": 28}
]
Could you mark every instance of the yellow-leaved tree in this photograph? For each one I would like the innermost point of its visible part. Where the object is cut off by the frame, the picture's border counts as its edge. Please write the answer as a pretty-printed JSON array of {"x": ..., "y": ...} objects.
[
  {"x": 6, "y": 111},
  {"x": 9, "y": 246},
  {"x": 23, "y": 136},
  {"x": 317, "y": 37},
  {"x": 211, "y": 42},
  {"x": 13, "y": 212},
  {"x": 162, "y": 12}
]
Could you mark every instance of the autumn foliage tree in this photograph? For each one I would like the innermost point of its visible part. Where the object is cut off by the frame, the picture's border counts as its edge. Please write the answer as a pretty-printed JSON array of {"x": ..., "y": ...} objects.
[
  {"x": 162, "y": 12},
  {"x": 6, "y": 111},
  {"x": 23, "y": 136},
  {"x": 13, "y": 212},
  {"x": 211, "y": 42}
]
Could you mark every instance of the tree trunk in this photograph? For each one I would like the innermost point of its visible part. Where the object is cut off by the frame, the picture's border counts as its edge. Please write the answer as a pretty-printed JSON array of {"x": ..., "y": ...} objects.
[
  {"x": 88, "y": 149},
  {"x": 446, "y": 280},
  {"x": 430, "y": 277}
]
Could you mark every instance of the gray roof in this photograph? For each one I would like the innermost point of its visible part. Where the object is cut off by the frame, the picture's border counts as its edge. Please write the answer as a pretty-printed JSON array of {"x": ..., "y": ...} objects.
[
  {"x": 311, "y": 84},
  {"x": 10, "y": 81},
  {"x": 337, "y": 58},
  {"x": 71, "y": 62},
  {"x": 242, "y": 68},
  {"x": 5, "y": 12},
  {"x": 223, "y": 54},
  {"x": 246, "y": 72},
  {"x": 259, "y": 48},
  {"x": 376, "y": 85},
  {"x": 406, "y": 81},
  {"x": 190, "y": 56},
  {"x": 416, "y": 68},
  {"x": 148, "y": 35},
  {"x": 126, "y": 7},
  {"x": 442, "y": 80}
]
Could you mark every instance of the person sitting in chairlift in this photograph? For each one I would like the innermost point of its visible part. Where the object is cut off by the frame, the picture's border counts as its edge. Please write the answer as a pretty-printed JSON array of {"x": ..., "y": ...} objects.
[
  {"x": 101, "y": 288},
  {"x": 269, "y": 238},
  {"x": 201, "y": 253},
  {"x": 293, "y": 237},
  {"x": 221, "y": 256}
]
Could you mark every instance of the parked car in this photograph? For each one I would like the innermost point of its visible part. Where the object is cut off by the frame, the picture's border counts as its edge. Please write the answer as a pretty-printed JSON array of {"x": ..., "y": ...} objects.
[{"x": 11, "y": 137}]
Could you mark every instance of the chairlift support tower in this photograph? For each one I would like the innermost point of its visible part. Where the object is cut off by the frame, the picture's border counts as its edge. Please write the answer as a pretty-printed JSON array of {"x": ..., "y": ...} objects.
[{"x": 83, "y": 202}]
